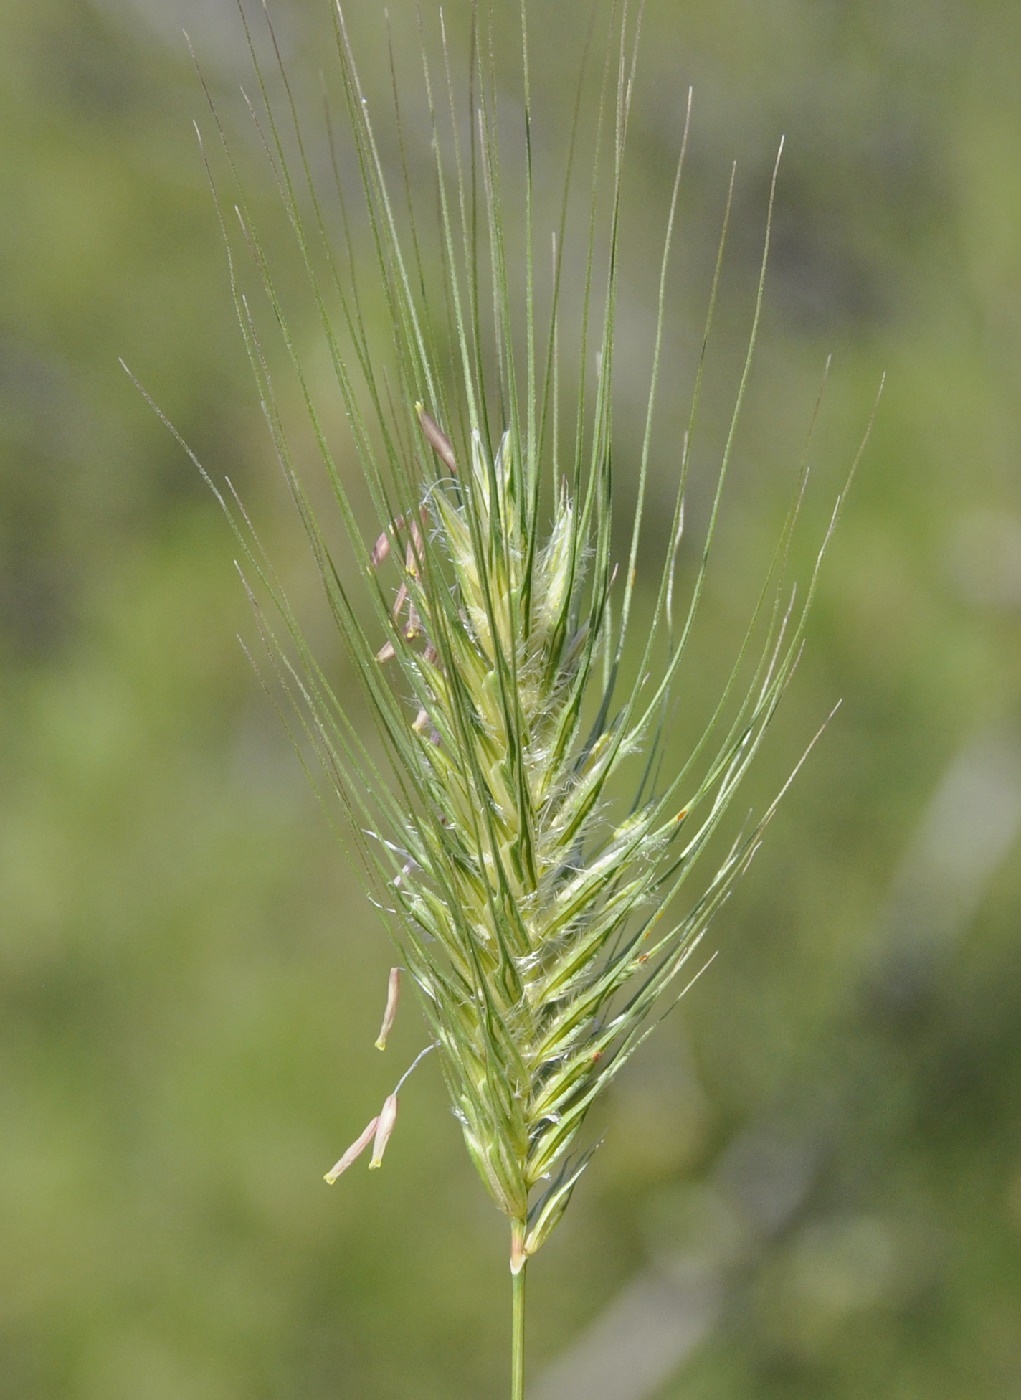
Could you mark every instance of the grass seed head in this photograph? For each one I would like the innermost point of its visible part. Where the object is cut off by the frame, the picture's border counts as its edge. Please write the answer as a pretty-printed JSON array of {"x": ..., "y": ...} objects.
[{"x": 536, "y": 909}]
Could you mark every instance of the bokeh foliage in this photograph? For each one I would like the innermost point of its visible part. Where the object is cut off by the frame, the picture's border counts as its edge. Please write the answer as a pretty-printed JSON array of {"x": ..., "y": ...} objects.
[{"x": 190, "y": 977}]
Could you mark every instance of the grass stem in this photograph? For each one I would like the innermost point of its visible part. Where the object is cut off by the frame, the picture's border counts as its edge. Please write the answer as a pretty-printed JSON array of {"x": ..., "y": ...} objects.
[{"x": 518, "y": 1328}]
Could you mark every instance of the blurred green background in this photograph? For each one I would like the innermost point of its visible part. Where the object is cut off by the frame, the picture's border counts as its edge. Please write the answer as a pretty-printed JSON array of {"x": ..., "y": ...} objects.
[{"x": 811, "y": 1181}]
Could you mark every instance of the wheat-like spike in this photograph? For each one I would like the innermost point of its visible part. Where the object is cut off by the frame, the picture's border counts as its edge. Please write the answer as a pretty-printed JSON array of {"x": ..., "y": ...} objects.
[
  {"x": 543, "y": 910},
  {"x": 533, "y": 907}
]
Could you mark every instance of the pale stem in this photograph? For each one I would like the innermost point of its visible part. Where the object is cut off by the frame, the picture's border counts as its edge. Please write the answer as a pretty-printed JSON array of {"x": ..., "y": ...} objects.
[{"x": 517, "y": 1316}]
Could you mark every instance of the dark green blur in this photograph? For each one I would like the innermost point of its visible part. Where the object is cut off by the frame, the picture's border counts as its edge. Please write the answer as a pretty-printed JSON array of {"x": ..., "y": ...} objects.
[{"x": 817, "y": 1164}]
